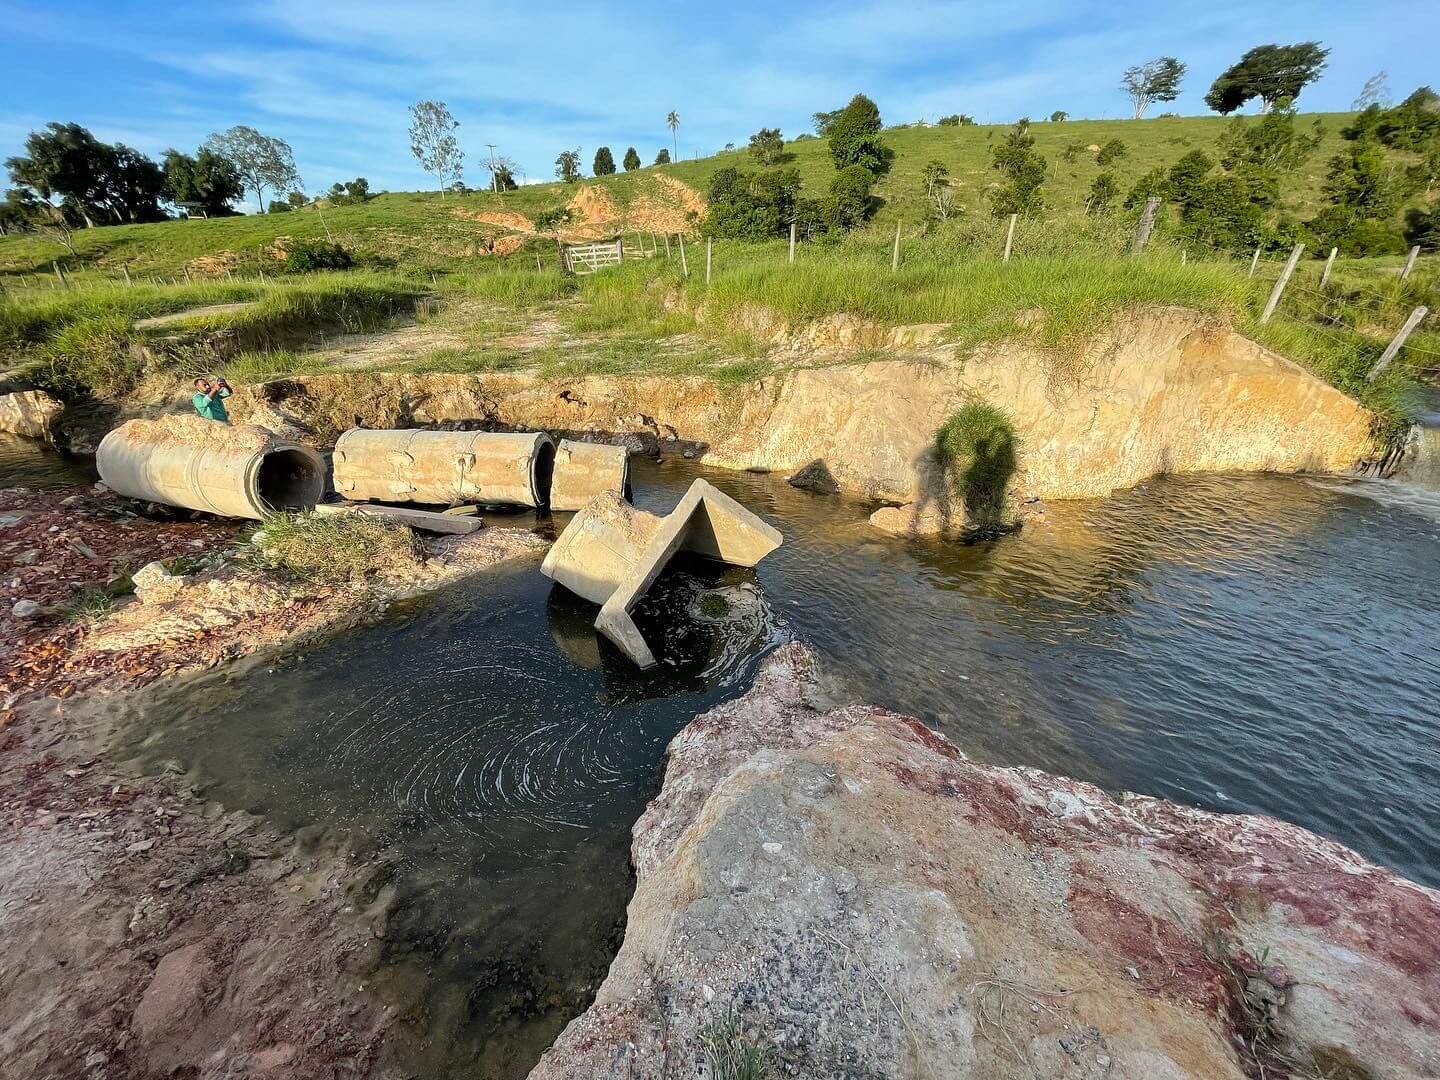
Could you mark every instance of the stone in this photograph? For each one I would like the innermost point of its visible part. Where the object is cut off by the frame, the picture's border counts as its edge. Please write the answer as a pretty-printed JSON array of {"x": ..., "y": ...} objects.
[
  {"x": 31, "y": 413},
  {"x": 815, "y": 477},
  {"x": 174, "y": 1002},
  {"x": 27, "y": 557},
  {"x": 154, "y": 584},
  {"x": 871, "y": 902},
  {"x": 25, "y": 609}
]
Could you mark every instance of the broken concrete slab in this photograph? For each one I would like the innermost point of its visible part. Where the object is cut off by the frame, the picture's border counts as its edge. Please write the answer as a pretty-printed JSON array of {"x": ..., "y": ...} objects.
[
  {"x": 611, "y": 553},
  {"x": 424, "y": 520},
  {"x": 584, "y": 470}
]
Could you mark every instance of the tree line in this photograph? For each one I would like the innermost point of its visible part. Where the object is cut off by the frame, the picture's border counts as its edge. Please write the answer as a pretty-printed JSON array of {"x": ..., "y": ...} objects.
[{"x": 67, "y": 178}]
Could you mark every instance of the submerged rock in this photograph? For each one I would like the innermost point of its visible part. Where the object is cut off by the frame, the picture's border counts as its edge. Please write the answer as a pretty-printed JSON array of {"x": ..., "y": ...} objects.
[{"x": 848, "y": 890}]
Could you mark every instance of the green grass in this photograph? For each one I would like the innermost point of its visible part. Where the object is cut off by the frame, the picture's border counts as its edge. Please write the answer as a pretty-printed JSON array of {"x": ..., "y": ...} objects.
[
  {"x": 335, "y": 549},
  {"x": 977, "y": 448}
]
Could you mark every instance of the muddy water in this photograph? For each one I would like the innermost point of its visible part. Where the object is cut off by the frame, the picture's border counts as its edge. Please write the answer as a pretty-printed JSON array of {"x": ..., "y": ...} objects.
[
  {"x": 1239, "y": 643},
  {"x": 28, "y": 463}
]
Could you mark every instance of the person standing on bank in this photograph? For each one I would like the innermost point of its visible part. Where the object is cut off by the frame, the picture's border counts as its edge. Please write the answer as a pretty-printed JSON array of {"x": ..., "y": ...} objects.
[{"x": 209, "y": 398}]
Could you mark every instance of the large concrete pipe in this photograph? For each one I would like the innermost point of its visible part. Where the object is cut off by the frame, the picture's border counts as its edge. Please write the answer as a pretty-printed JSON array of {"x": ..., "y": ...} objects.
[
  {"x": 444, "y": 467},
  {"x": 584, "y": 470},
  {"x": 241, "y": 471}
]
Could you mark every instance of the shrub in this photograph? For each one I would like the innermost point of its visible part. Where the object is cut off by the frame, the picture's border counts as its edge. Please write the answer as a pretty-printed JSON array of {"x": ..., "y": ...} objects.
[
  {"x": 752, "y": 206},
  {"x": 976, "y": 447},
  {"x": 1103, "y": 191},
  {"x": 335, "y": 549},
  {"x": 1422, "y": 227},
  {"x": 305, "y": 256},
  {"x": 1072, "y": 151},
  {"x": 552, "y": 218},
  {"x": 767, "y": 146},
  {"x": 1059, "y": 116},
  {"x": 277, "y": 207},
  {"x": 956, "y": 120},
  {"x": 92, "y": 354},
  {"x": 855, "y": 137},
  {"x": 1015, "y": 158},
  {"x": 729, "y": 1055},
  {"x": 1113, "y": 150}
]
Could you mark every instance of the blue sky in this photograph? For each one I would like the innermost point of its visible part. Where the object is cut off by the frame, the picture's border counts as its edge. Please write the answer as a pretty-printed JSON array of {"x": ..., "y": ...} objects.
[{"x": 335, "y": 77}]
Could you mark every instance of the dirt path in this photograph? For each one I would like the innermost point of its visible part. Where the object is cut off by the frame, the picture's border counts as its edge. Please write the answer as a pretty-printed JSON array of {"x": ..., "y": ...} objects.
[{"x": 194, "y": 313}]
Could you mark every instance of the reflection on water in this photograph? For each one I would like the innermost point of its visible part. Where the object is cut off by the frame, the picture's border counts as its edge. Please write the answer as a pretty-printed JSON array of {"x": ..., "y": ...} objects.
[
  {"x": 30, "y": 463},
  {"x": 1255, "y": 643}
]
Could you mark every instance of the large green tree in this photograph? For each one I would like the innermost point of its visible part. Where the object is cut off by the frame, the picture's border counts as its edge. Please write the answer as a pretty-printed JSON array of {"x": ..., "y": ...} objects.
[
  {"x": 854, "y": 133},
  {"x": 632, "y": 160},
  {"x": 567, "y": 165},
  {"x": 263, "y": 162},
  {"x": 433, "y": 142},
  {"x": 1272, "y": 73},
  {"x": 206, "y": 180},
  {"x": 98, "y": 182},
  {"x": 767, "y": 146},
  {"x": 604, "y": 162}
]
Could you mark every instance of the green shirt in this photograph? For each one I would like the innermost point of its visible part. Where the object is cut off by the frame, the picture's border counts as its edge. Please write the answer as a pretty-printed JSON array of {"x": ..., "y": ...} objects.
[{"x": 212, "y": 407}]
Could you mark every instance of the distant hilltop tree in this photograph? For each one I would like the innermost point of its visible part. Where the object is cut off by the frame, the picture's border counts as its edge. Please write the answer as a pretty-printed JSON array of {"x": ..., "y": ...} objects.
[
  {"x": 632, "y": 160},
  {"x": 672, "y": 121},
  {"x": 1272, "y": 73},
  {"x": 956, "y": 120},
  {"x": 433, "y": 142},
  {"x": 1024, "y": 171},
  {"x": 767, "y": 146},
  {"x": 350, "y": 193},
  {"x": 1059, "y": 116},
  {"x": 98, "y": 183},
  {"x": 567, "y": 165},
  {"x": 262, "y": 161},
  {"x": 663, "y": 157},
  {"x": 1155, "y": 80},
  {"x": 604, "y": 162}
]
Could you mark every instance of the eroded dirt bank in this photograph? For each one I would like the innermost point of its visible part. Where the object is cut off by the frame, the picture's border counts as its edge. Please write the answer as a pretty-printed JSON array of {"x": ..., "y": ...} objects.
[
  {"x": 147, "y": 932},
  {"x": 849, "y": 891},
  {"x": 1164, "y": 391}
]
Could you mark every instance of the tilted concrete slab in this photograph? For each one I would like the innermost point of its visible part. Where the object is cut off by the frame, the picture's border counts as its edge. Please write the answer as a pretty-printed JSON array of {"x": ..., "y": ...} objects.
[
  {"x": 424, "y": 520},
  {"x": 611, "y": 553}
]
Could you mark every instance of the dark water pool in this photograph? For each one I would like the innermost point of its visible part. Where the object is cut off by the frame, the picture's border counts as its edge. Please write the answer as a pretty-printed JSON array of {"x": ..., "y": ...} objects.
[
  {"x": 29, "y": 463},
  {"x": 1239, "y": 643}
]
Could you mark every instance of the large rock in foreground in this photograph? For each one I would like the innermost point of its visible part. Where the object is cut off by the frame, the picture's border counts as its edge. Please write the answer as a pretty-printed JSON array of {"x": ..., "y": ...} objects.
[
  {"x": 29, "y": 412},
  {"x": 847, "y": 887}
]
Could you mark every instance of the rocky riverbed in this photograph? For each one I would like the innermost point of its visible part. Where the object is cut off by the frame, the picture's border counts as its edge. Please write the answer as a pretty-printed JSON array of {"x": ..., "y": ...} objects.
[{"x": 843, "y": 893}]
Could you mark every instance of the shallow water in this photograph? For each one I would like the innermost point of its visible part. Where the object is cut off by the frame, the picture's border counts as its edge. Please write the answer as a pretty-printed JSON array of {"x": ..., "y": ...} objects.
[
  {"x": 1238, "y": 643},
  {"x": 33, "y": 464}
]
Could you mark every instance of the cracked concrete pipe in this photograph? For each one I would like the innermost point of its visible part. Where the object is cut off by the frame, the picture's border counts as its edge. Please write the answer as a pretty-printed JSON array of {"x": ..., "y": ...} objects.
[
  {"x": 584, "y": 470},
  {"x": 445, "y": 467},
  {"x": 252, "y": 476}
]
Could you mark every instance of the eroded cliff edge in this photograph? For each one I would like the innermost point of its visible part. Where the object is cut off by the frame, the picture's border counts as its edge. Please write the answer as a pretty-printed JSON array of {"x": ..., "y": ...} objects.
[
  {"x": 1158, "y": 391},
  {"x": 860, "y": 896}
]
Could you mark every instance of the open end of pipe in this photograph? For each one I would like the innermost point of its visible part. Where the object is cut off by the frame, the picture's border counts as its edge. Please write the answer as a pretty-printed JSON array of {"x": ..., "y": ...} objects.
[
  {"x": 542, "y": 471},
  {"x": 289, "y": 480}
]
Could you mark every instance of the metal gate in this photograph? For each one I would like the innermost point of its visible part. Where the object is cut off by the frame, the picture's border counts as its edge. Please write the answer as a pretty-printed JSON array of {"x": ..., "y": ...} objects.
[{"x": 587, "y": 258}]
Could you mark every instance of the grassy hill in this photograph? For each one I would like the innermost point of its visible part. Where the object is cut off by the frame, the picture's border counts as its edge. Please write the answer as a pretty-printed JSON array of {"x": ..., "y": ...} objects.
[{"x": 425, "y": 232}]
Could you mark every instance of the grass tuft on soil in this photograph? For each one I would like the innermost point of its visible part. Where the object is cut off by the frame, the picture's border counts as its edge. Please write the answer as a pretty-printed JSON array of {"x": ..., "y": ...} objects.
[{"x": 335, "y": 549}]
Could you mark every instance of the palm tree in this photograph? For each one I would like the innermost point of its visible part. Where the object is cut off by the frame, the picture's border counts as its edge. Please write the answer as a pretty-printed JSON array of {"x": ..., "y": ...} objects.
[{"x": 673, "y": 123}]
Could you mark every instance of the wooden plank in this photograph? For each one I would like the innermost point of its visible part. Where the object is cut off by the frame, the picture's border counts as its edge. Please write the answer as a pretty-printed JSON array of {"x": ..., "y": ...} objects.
[{"x": 425, "y": 520}]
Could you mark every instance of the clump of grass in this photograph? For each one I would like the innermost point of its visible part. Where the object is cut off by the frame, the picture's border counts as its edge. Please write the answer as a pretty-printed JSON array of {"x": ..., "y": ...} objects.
[
  {"x": 516, "y": 287},
  {"x": 335, "y": 549},
  {"x": 976, "y": 448},
  {"x": 730, "y": 1055}
]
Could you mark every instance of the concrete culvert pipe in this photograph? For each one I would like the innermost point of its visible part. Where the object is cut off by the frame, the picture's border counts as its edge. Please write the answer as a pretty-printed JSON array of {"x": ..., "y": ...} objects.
[
  {"x": 445, "y": 467},
  {"x": 584, "y": 470},
  {"x": 242, "y": 471}
]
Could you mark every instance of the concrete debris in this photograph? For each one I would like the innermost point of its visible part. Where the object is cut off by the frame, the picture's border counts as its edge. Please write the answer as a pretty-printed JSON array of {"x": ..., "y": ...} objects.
[
  {"x": 425, "y": 520},
  {"x": 611, "y": 553},
  {"x": 444, "y": 467},
  {"x": 24, "y": 609}
]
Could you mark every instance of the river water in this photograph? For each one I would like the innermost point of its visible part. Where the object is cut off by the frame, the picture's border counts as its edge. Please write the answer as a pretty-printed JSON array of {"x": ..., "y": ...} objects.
[{"x": 1241, "y": 643}]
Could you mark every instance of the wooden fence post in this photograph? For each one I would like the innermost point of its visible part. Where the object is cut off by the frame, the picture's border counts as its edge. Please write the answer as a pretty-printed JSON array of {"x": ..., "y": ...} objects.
[
  {"x": 895, "y": 255},
  {"x": 684, "y": 265},
  {"x": 1280, "y": 284},
  {"x": 707, "y": 260},
  {"x": 126, "y": 271},
  {"x": 1254, "y": 261},
  {"x": 792, "y": 243},
  {"x": 1147, "y": 223},
  {"x": 1184, "y": 255},
  {"x": 620, "y": 248},
  {"x": 1329, "y": 262},
  {"x": 1010, "y": 237},
  {"x": 1410, "y": 262},
  {"x": 1393, "y": 349},
  {"x": 537, "y": 262},
  {"x": 667, "y": 245},
  {"x": 189, "y": 282}
]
